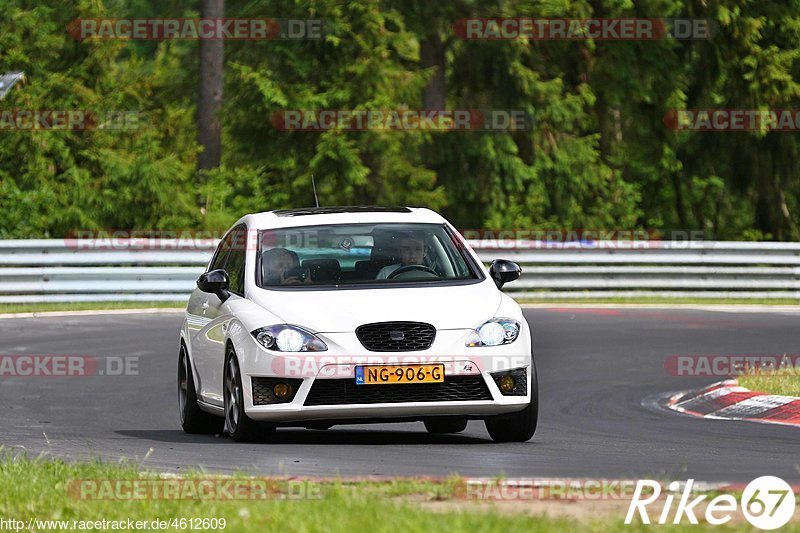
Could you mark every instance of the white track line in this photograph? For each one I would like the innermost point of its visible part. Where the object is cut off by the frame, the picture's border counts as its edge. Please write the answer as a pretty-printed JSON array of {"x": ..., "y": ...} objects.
[{"x": 44, "y": 314}]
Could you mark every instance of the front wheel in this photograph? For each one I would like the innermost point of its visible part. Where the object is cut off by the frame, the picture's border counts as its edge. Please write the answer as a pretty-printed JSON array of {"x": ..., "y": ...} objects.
[
  {"x": 521, "y": 425},
  {"x": 239, "y": 426}
]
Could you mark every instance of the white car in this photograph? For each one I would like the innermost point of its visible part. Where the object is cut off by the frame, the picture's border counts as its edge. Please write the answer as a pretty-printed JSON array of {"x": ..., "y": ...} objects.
[{"x": 335, "y": 315}]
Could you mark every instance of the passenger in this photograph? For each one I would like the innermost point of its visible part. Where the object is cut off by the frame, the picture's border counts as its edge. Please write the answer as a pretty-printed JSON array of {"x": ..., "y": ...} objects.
[{"x": 282, "y": 267}]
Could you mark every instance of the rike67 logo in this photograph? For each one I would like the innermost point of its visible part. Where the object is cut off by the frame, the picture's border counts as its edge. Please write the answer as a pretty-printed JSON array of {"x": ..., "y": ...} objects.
[{"x": 767, "y": 502}]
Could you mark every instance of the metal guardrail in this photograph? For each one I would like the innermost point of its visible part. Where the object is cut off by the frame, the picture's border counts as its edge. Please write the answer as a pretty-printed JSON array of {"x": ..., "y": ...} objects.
[
  {"x": 61, "y": 271},
  {"x": 66, "y": 270}
]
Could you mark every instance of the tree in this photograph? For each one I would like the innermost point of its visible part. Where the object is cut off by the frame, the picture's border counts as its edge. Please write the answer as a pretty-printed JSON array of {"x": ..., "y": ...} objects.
[{"x": 209, "y": 104}]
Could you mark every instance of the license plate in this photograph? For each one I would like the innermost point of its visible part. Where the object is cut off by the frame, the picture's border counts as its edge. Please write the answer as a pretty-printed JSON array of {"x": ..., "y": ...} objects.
[{"x": 395, "y": 374}]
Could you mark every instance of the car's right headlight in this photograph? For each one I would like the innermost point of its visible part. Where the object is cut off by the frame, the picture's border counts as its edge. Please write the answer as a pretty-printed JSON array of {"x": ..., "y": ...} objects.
[
  {"x": 494, "y": 332},
  {"x": 288, "y": 338}
]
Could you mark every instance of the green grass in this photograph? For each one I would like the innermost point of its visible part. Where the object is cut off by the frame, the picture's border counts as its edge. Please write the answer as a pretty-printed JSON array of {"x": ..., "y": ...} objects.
[
  {"x": 85, "y": 306},
  {"x": 785, "y": 382},
  {"x": 38, "y": 488}
]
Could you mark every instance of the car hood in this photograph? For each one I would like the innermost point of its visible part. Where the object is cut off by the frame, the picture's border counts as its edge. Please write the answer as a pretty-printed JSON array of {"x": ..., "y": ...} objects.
[{"x": 343, "y": 310}]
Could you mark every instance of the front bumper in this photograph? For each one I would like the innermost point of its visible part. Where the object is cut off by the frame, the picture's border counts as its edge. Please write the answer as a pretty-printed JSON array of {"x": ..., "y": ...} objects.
[{"x": 469, "y": 389}]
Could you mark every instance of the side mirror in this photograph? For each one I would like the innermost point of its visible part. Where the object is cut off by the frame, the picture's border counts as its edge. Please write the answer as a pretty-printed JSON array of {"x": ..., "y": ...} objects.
[
  {"x": 214, "y": 282},
  {"x": 503, "y": 272}
]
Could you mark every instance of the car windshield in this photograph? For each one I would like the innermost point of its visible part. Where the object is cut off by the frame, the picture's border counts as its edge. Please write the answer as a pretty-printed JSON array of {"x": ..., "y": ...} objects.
[{"x": 360, "y": 254}]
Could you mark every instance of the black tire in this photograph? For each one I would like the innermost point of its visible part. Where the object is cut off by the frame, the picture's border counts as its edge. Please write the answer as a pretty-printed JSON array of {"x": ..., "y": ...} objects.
[
  {"x": 239, "y": 426},
  {"x": 521, "y": 425},
  {"x": 193, "y": 419},
  {"x": 446, "y": 425}
]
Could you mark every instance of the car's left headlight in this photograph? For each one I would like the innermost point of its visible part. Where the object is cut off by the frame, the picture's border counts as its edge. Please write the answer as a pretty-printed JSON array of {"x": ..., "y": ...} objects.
[
  {"x": 494, "y": 332},
  {"x": 288, "y": 338}
]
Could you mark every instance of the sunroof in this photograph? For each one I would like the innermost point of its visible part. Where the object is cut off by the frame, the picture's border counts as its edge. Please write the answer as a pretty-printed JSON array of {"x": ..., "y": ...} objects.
[{"x": 340, "y": 209}]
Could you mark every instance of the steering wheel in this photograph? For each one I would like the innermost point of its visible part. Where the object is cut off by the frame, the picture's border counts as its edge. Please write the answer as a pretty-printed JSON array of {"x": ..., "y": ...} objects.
[{"x": 409, "y": 268}]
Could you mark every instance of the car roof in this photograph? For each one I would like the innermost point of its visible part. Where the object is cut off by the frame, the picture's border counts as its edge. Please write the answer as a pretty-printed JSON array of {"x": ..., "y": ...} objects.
[
  {"x": 315, "y": 216},
  {"x": 303, "y": 211}
]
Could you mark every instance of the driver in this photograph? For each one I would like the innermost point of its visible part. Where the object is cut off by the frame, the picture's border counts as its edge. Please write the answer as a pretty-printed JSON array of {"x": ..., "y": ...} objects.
[{"x": 411, "y": 251}]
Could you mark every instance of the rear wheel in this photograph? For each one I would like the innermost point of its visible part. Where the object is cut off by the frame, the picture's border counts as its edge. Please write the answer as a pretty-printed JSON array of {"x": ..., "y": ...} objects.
[
  {"x": 239, "y": 426},
  {"x": 193, "y": 419},
  {"x": 521, "y": 425},
  {"x": 445, "y": 425}
]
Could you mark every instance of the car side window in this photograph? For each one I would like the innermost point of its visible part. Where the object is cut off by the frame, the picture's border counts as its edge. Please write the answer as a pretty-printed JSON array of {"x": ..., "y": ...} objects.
[
  {"x": 236, "y": 259},
  {"x": 221, "y": 255}
]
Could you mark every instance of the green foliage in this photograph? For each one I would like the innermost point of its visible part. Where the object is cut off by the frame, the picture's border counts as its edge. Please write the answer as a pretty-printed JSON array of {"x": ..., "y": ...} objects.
[
  {"x": 598, "y": 154},
  {"x": 57, "y": 181}
]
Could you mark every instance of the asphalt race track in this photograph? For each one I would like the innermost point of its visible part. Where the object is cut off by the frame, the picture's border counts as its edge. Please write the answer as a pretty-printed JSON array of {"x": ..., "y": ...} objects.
[{"x": 596, "y": 367}]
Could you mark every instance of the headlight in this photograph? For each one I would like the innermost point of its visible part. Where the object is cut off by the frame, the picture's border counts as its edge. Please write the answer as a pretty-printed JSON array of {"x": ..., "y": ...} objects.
[
  {"x": 494, "y": 332},
  {"x": 287, "y": 338}
]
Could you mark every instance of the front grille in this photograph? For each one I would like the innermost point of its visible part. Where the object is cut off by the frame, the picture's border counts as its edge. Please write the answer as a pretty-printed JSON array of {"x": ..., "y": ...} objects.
[
  {"x": 396, "y": 336},
  {"x": 262, "y": 390},
  {"x": 345, "y": 391}
]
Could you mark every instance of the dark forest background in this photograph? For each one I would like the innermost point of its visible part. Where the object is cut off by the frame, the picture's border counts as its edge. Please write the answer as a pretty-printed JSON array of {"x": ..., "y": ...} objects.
[{"x": 599, "y": 154}]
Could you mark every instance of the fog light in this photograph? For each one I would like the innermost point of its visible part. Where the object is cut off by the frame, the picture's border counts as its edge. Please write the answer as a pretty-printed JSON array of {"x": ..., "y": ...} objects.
[
  {"x": 281, "y": 390},
  {"x": 507, "y": 383}
]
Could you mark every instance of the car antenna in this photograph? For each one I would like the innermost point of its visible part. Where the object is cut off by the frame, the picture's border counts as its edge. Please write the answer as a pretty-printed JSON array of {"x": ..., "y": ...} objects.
[{"x": 314, "y": 185}]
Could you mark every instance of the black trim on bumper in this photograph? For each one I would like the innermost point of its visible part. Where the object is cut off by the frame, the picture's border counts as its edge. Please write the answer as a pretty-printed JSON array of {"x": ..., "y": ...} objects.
[
  {"x": 520, "y": 376},
  {"x": 346, "y": 392},
  {"x": 262, "y": 390}
]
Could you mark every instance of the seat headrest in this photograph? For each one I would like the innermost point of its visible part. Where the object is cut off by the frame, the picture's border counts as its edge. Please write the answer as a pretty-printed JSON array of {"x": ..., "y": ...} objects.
[
  {"x": 382, "y": 256},
  {"x": 324, "y": 270}
]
